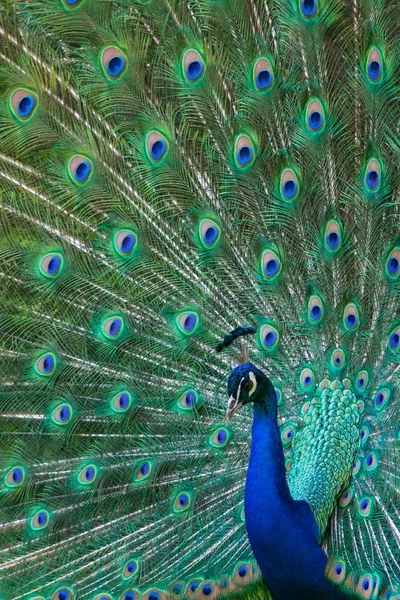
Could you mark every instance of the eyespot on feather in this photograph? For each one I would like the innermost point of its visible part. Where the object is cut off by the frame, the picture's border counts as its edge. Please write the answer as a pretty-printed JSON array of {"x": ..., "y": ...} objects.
[
  {"x": 373, "y": 176},
  {"x": 365, "y": 507},
  {"x": 337, "y": 572},
  {"x": 80, "y": 169},
  {"x": 191, "y": 588},
  {"x": 269, "y": 337},
  {"x": 288, "y": 432},
  {"x": 365, "y": 587},
  {"x": 40, "y": 520},
  {"x": 125, "y": 242},
  {"x": 393, "y": 263},
  {"x": 46, "y": 364},
  {"x": 244, "y": 152},
  {"x": 338, "y": 358},
  {"x": 361, "y": 381},
  {"x": 15, "y": 477},
  {"x": 315, "y": 309},
  {"x": 263, "y": 75},
  {"x": 289, "y": 186},
  {"x": 121, "y": 402},
  {"x": 351, "y": 319},
  {"x": 193, "y": 66},
  {"x": 154, "y": 594},
  {"x": 333, "y": 236},
  {"x": 130, "y": 569},
  {"x": 209, "y": 232},
  {"x": 103, "y": 596},
  {"x": 62, "y": 414},
  {"x": 382, "y": 398},
  {"x": 394, "y": 340},
  {"x": 371, "y": 462},
  {"x": 156, "y": 147},
  {"x": 130, "y": 595},
  {"x": 270, "y": 265},
  {"x": 243, "y": 573},
  {"x": 209, "y": 590},
  {"x": 356, "y": 466},
  {"x": 182, "y": 502},
  {"x": 220, "y": 438},
  {"x": 315, "y": 116},
  {"x": 364, "y": 434},
  {"x": 63, "y": 593},
  {"x": 113, "y": 327},
  {"x": 143, "y": 472},
  {"x": 176, "y": 588},
  {"x": 114, "y": 62},
  {"x": 187, "y": 322},
  {"x": 346, "y": 497},
  {"x": 278, "y": 393},
  {"x": 72, "y": 3},
  {"x": 308, "y": 8},
  {"x": 374, "y": 65},
  {"x": 51, "y": 264},
  {"x": 23, "y": 103},
  {"x": 307, "y": 380},
  {"x": 88, "y": 474},
  {"x": 188, "y": 400}
]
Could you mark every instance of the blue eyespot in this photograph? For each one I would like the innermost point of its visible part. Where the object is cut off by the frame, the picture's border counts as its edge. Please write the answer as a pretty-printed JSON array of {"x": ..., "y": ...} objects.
[
  {"x": 177, "y": 590},
  {"x": 158, "y": 149},
  {"x": 26, "y": 106},
  {"x": 187, "y": 322},
  {"x": 183, "y": 500},
  {"x": 394, "y": 340},
  {"x": 374, "y": 70},
  {"x": 393, "y": 266},
  {"x": 123, "y": 401},
  {"x": 289, "y": 188},
  {"x": 40, "y": 520},
  {"x": 82, "y": 171},
  {"x": 46, "y": 364},
  {"x": 270, "y": 339},
  {"x": 339, "y": 569},
  {"x": 193, "y": 66},
  {"x": 64, "y": 413},
  {"x": 127, "y": 243},
  {"x": 89, "y": 473},
  {"x": 219, "y": 438},
  {"x": 154, "y": 596},
  {"x": 272, "y": 266},
  {"x": 194, "y": 586},
  {"x": 316, "y": 312},
  {"x": 131, "y": 567},
  {"x": 116, "y": 65},
  {"x": 190, "y": 399},
  {"x": 242, "y": 571},
  {"x": 17, "y": 476},
  {"x": 263, "y": 80},
  {"x": 207, "y": 589},
  {"x": 14, "y": 477},
  {"x": 372, "y": 179},
  {"x": 309, "y": 7},
  {"x": 194, "y": 70},
  {"x": 113, "y": 327},
  {"x": 333, "y": 239},
  {"x": 211, "y": 235},
  {"x": 129, "y": 596},
  {"x": 144, "y": 469},
  {"x": 245, "y": 155},
  {"x": 315, "y": 120}
]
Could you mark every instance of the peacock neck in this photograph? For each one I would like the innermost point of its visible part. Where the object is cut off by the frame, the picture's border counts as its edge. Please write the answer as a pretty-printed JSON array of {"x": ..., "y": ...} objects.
[{"x": 266, "y": 475}]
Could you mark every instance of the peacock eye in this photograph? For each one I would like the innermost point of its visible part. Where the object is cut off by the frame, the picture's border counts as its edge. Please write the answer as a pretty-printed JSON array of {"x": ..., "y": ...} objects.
[
  {"x": 46, "y": 364},
  {"x": 346, "y": 497},
  {"x": 244, "y": 151},
  {"x": 40, "y": 520},
  {"x": 51, "y": 264},
  {"x": 373, "y": 175},
  {"x": 88, "y": 474},
  {"x": 80, "y": 169},
  {"x": 309, "y": 8},
  {"x": 125, "y": 242},
  {"x": 337, "y": 571},
  {"x": 182, "y": 502},
  {"x": 220, "y": 437},
  {"x": 394, "y": 340},
  {"x": 121, "y": 402},
  {"x": 188, "y": 399},
  {"x": 382, "y": 397},
  {"x": 114, "y": 62},
  {"x": 187, "y": 322},
  {"x": 365, "y": 507},
  {"x": 209, "y": 233},
  {"x": 63, "y": 594},
  {"x": 374, "y": 65},
  {"x": 333, "y": 238},
  {"x": 23, "y": 103},
  {"x": 143, "y": 471},
  {"x": 156, "y": 146},
  {"x": 15, "y": 477},
  {"x": 113, "y": 326},
  {"x": 315, "y": 116},
  {"x": 263, "y": 75},
  {"x": 289, "y": 185},
  {"x": 130, "y": 569},
  {"x": 193, "y": 66},
  {"x": 351, "y": 317},
  {"x": 270, "y": 264},
  {"x": 315, "y": 309},
  {"x": 62, "y": 414},
  {"x": 131, "y": 595},
  {"x": 243, "y": 573}
]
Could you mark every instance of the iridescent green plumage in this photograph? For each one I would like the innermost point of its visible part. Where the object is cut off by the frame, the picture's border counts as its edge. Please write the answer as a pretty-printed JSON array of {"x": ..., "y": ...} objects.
[{"x": 170, "y": 170}]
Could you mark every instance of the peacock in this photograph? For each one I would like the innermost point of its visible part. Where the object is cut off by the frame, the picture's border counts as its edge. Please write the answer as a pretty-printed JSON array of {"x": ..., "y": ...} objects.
[{"x": 200, "y": 291}]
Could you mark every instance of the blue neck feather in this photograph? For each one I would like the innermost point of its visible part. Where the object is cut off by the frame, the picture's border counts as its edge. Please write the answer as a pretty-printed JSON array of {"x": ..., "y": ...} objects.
[{"x": 282, "y": 532}]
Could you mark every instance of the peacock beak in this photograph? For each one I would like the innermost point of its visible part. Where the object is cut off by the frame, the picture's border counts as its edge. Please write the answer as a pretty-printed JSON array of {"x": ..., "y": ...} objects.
[{"x": 233, "y": 406}]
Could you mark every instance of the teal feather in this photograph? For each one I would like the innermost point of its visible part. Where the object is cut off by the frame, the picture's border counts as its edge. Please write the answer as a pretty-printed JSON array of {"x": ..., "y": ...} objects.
[{"x": 145, "y": 148}]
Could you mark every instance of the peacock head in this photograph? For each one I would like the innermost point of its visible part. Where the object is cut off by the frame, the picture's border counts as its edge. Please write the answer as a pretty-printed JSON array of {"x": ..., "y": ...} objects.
[{"x": 246, "y": 384}]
